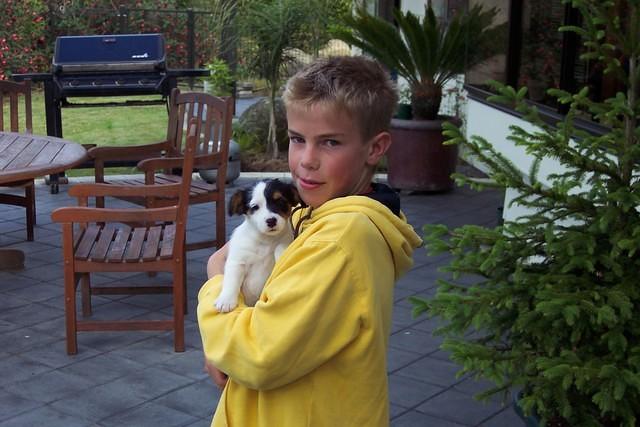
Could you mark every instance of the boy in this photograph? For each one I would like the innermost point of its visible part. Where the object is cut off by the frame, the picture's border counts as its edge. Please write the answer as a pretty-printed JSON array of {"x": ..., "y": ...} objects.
[{"x": 312, "y": 352}]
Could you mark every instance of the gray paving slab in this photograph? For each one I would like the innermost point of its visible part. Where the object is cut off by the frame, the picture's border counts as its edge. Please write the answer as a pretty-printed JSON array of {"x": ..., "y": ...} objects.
[
  {"x": 12, "y": 405},
  {"x": 46, "y": 416},
  {"x": 150, "y": 415},
  {"x": 135, "y": 378},
  {"x": 456, "y": 406},
  {"x": 418, "y": 419},
  {"x": 198, "y": 399},
  {"x": 505, "y": 418}
]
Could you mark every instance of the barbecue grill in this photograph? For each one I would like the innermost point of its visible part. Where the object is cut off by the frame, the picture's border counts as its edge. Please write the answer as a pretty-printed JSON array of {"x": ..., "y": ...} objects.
[{"x": 103, "y": 66}]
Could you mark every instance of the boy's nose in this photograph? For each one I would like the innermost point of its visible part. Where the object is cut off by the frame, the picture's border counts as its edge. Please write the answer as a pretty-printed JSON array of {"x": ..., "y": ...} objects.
[
  {"x": 271, "y": 222},
  {"x": 309, "y": 159}
]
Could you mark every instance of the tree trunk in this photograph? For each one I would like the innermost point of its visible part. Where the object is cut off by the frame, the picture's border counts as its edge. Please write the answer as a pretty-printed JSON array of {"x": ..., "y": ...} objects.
[
  {"x": 425, "y": 101},
  {"x": 272, "y": 140}
]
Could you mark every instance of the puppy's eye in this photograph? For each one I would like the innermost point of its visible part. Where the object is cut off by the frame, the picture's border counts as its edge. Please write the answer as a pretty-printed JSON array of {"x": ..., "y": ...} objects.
[{"x": 254, "y": 208}]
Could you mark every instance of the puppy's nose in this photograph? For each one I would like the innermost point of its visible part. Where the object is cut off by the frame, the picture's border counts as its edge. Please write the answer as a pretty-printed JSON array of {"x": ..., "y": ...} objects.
[{"x": 271, "y": 222}]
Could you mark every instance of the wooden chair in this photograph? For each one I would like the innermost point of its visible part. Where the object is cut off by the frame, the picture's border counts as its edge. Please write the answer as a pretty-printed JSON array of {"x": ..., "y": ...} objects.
[
  {"x": 11, "y": 92},
  {"x": 159, "y": 161},
  {"x": 99, "y": 240}
]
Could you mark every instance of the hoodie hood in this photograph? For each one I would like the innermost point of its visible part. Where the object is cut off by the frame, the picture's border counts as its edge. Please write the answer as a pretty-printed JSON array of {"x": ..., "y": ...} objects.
[{"x": 400, "y": 236}]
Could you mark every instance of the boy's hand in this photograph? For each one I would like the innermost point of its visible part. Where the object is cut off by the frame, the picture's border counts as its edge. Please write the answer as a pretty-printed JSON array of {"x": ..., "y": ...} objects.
[
  {"x": 218, "y": 377},
  {"x": 215, "y": 265}
]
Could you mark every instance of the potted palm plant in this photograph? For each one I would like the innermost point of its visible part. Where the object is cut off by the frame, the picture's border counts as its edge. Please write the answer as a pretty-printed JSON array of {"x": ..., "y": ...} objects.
[{"x": 427, "y": 53}]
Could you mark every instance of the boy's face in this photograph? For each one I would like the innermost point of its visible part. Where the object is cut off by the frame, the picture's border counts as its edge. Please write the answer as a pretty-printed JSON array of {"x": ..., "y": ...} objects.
[{"x": 327, "y": 155}]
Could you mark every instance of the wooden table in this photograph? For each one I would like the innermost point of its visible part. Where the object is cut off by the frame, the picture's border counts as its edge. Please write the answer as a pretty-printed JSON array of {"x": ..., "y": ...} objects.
[{"x": 26, "y": 156}]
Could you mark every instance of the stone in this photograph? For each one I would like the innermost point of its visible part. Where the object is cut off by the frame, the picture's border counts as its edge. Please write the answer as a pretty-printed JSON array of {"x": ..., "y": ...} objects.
[{"x": 254, "y": 125}]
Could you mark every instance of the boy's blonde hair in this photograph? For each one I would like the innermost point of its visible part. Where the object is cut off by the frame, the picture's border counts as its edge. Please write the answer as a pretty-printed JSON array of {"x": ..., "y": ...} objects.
[{"x": 355, "y": 84}]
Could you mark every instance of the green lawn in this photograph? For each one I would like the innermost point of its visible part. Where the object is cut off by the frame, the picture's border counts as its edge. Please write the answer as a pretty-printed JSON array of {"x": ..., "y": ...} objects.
[{"x": 128, "y": 125}]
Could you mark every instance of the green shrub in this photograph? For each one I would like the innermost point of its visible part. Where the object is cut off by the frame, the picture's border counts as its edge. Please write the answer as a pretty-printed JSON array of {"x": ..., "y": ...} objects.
[
  {"x": 23, "y": 46},
  {"x": 221, "y": 78}
]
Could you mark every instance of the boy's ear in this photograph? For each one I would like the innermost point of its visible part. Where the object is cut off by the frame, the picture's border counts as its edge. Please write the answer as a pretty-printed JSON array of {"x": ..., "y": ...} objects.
[{"x": 378, "y": 146}]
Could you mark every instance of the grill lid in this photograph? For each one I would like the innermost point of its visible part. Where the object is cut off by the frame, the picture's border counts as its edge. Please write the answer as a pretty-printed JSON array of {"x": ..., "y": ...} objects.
[{"x": 109, "y": 53}]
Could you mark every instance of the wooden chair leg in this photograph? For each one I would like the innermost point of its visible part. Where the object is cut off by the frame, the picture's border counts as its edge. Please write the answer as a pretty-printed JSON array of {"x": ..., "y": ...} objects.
[
  {"x": 70, "y": 311},
  {"x": 86, "y": 295},
  {"x": 220, "y": 225},
  {"x": 31, "y": 209},
  {"x": 184, "y": 283},
  {"x": 178, "y": 306}
]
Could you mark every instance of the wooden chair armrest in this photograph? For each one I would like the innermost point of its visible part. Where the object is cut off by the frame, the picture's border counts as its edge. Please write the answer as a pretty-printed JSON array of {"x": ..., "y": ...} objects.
[
  {"x": 102, "y": 190},
  {"x": 158, "y": 163},
  {"x": 85, "y": 214},
  {"x": 130, "y": 152},
  {"x": 202, "y": 161}
]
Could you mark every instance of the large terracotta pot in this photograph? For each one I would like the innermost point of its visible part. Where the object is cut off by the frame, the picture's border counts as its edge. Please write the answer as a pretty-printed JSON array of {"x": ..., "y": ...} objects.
[{"x": 417, "y": 160}]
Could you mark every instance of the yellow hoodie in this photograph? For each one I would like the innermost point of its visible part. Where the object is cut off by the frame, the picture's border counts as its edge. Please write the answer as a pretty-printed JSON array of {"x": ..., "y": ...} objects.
[{"x": 312, "y": 352}]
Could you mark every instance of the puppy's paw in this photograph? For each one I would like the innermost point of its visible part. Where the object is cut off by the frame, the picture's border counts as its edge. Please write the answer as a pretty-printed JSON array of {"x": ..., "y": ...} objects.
[{"x": 226, "y": 303}]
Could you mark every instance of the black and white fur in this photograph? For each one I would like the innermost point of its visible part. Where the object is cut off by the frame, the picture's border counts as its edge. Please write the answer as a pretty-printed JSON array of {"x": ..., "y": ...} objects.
[{"x": 258, "y": 242}]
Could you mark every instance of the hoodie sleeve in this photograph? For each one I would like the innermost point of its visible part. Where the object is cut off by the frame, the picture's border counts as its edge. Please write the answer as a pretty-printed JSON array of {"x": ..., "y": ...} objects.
[{"x": 311, "y": 308}]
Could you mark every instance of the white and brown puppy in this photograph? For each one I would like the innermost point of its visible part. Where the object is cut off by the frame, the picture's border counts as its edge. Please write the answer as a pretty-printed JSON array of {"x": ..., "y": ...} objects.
[{"x": 258, "y": 242}]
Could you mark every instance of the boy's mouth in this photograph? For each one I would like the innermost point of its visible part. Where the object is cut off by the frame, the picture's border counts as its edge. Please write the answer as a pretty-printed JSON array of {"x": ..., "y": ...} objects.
[{"x": 308, "y": 184}]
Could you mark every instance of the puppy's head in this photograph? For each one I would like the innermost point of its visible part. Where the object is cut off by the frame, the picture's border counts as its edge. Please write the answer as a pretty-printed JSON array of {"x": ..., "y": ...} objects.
[{"x": 267, "y": 205}]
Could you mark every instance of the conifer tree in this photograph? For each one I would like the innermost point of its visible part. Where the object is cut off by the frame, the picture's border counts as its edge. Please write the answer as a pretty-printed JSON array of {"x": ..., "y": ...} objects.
[{"x": 554, "y": 307}]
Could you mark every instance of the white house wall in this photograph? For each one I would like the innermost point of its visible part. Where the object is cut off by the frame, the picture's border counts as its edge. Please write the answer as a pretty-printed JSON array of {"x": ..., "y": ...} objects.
[{"x": 493, "y": 125}]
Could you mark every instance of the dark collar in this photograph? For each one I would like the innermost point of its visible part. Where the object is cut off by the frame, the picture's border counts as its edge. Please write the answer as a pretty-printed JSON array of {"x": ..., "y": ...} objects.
[{"x": 385, "y": 195}]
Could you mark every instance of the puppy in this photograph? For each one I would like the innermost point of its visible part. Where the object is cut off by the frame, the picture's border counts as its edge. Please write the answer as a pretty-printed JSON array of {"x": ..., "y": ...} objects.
[{"x": 258, "y": 242}]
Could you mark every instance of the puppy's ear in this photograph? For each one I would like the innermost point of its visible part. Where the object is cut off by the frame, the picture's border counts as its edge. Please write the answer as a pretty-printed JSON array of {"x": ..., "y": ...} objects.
[
  {"x": 238, "y": 203},
  {"x": 291, "y": 194}
]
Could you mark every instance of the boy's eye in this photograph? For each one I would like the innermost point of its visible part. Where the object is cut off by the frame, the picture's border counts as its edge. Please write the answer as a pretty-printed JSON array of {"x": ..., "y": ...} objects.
[
  {"x": 332, "y": 143},
  {"x": 296, "y": 139}
]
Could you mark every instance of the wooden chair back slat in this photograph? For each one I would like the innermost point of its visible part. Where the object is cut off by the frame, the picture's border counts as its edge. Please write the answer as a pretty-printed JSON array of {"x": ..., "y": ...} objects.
[
  {"x": 179, "y": 135},
  {"x": 216, "y": 133},
  {"x": 206, "y": 144},
  {"x": 27, "y": 108},
  {"x": 185, "y": 188},
  {"x": 13, "y": 107},
  {"x": 174, "y": 118},
  {"x": 11, "y": 93}
]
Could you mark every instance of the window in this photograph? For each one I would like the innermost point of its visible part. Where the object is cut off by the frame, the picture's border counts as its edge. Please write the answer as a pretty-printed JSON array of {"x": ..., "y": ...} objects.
[
  {"x": 541, "y": 52},
  {"x": 539, "y": 56},
  {"x": 495, "y": 67}
]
